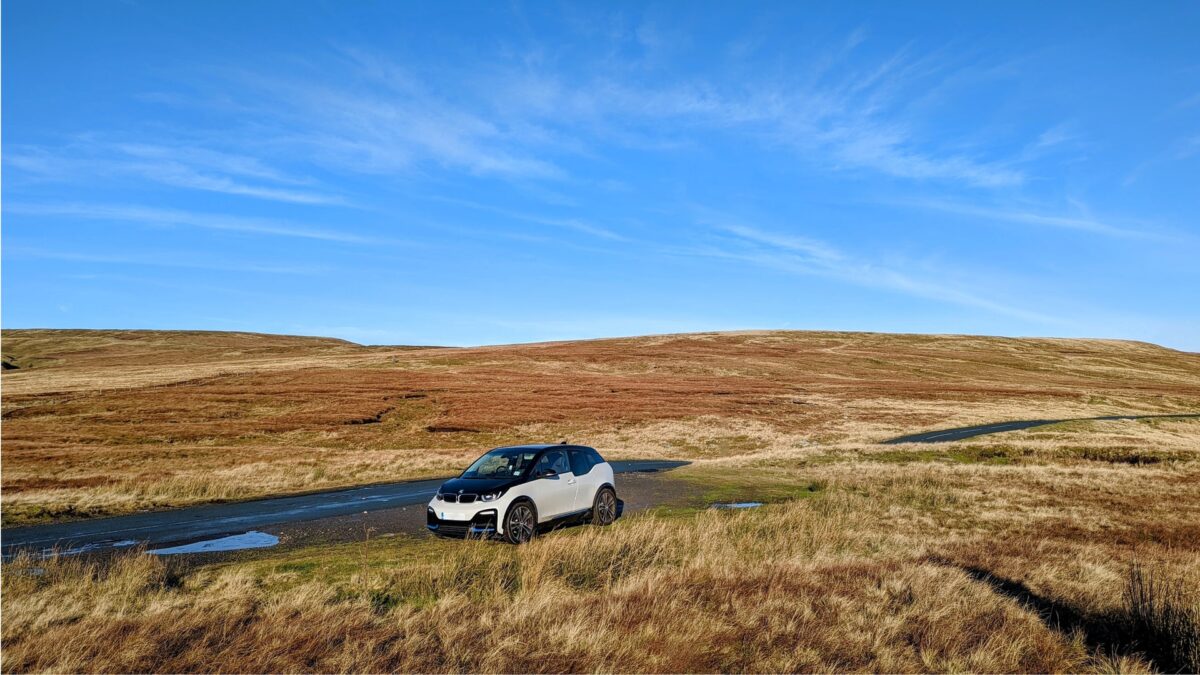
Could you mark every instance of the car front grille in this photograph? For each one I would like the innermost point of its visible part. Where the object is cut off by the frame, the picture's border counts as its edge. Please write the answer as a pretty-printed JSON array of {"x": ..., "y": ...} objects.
[
  {"x": 482, "y": 524},
  {"x": 460, "y": 499},
  {"x": 452, "y": 529}
]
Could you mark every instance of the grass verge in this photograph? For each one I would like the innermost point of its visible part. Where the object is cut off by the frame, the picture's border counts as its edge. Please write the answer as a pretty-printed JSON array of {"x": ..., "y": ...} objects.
[{"x": 850, "y": 577}]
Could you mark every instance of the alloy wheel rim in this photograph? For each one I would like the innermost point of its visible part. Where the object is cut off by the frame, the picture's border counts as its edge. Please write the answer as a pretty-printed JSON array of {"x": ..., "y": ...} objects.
[
  {"x": 520, "y": 522},
  {"x": 606, "y": 507}
]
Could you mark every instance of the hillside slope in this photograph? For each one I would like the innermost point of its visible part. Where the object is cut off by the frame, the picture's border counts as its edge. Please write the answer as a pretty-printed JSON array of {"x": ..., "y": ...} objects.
[
  {"x": 109, "y": 421},
  {"x": 39, "y": 360}
]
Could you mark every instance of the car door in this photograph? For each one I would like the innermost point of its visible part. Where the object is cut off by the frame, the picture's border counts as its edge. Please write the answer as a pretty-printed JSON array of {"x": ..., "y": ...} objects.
[
  {"x": 587, "y": 479},
  {"x": 554, "y": 494}
]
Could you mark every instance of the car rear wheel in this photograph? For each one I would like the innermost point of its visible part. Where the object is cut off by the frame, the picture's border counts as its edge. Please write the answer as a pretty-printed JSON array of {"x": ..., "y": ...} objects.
[
  {"x": 521, "y": 523},
  {"x": 604, "y": 510}
]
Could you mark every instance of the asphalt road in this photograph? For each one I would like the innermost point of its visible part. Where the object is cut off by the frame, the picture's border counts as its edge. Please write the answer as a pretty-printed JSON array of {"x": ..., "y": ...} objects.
[
  {"x": 947, "y": 435},
  {"x": 212, "y": 520}
]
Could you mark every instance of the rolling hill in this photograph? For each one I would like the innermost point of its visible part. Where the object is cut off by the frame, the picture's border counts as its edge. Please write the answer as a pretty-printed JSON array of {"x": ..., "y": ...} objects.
[{"x": 101, "y": 422}]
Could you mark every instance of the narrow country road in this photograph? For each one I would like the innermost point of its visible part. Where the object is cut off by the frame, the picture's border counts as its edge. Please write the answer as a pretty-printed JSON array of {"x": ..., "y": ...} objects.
[
  {"x": 211, "y": 520},
  {"x": 947, "y": 435},
  {"x": 214, "y": 520}
]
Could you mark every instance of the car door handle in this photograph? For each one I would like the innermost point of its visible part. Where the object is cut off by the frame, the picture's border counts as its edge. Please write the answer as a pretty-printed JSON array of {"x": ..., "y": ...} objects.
[{"x": 571, "y": 482}]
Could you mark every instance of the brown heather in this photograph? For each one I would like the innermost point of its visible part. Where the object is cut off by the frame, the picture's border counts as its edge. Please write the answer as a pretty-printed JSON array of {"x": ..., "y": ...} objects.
[
  {"x": 1073, "y": 547},
  {"x": 107, "y": 422}
]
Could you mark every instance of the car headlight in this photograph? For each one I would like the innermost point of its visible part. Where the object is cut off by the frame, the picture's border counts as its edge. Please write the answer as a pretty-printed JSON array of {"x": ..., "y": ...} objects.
[
  {"x": 491, "y": 496},
  {"x": 438, "y": 496}
]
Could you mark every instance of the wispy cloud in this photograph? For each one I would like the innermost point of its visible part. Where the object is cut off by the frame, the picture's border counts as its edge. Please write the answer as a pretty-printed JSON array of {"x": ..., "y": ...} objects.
[
  {"x": 1188, "y": 147},
  {"x": 1082, "y": 223},
  {"x": 377, "y": 117},
  {"x": 175, "y": 165},
  {"x": 802, "y": 255},
  {"x": 816, "y": 250},
  {"x": 1178, "y": 150},
  {"x": 1188, "y": 102},
  {"x": 853, "y": 120},
  {"x": 892, "y": 150},
  {"x": 210, "y": 221},
  {"x": 569, "y": 223},
  {"x": 519, "y": 120},
  {"x": 1055, "y": 136},
  {"x": 168, "y": 260}
]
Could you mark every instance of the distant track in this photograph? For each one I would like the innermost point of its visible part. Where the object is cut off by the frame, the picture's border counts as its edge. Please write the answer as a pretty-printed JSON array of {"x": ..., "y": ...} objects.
[
  {"x": 212, "y": 520},
  {"x": 947, "y": 435}
]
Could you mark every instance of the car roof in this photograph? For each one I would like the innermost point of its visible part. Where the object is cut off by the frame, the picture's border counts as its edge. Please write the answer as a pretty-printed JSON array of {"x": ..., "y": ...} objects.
[{"x": 538, "y": 447}]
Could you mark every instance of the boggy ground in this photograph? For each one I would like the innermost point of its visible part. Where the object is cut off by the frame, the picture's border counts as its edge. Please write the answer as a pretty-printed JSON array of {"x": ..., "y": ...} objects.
[
  {"x": 107, "y": 422},
  {"x": 859, "y": 562}
]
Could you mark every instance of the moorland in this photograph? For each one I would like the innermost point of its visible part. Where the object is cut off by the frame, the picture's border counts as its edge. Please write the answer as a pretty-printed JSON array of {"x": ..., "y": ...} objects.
[{"x": 1067, "y": 547}]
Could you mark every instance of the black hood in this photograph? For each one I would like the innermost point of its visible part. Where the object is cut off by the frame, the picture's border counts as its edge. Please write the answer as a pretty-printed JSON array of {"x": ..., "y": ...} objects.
[{"x": 480, "y": 485}]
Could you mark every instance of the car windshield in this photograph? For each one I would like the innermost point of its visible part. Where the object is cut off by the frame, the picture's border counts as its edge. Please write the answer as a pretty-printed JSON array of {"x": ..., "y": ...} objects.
[{"x": 501, "y": 463}]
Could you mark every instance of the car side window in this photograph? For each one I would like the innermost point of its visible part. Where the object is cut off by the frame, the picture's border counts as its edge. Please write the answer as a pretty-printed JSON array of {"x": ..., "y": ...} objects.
[
  {"x": 595, "y": 457},
  {"x": 580, "y": 462},
  {"x": 554, "y": 459},
  {"x": 560, "y": 462}
]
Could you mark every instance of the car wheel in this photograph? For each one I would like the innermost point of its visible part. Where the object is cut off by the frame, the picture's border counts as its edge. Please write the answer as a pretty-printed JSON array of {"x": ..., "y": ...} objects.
[
  {"x": 520, "y": 525},
  {"x": 604, "y": 510}
]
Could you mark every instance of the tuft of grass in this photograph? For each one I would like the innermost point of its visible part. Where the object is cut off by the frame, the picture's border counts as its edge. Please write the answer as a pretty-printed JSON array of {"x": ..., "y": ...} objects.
[
  {"x": 970, "y": 454},
  {"x": 720, "y": 446},
  {"x": 1164, "y": 616},
  {"x": 1137, "y": 456}
]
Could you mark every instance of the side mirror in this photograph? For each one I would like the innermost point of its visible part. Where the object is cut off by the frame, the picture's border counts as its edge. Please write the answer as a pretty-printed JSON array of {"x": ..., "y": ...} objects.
[{"x": 548, "y": 473}]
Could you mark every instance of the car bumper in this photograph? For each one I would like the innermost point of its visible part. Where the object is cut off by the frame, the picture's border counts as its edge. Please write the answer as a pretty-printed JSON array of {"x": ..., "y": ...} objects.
[{"x": 462, "y": 523}]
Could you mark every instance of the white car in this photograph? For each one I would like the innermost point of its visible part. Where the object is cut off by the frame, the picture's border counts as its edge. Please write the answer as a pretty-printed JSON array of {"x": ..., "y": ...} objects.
[{"x": 512, "y": 492}]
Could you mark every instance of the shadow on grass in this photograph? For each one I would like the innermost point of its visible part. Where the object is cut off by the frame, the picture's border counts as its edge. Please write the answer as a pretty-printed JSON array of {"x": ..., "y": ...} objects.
[
  {"x": 570, "y": 523},
  {"x": 1104, "y": 631},
  {"x": 1117, "y": 633}
]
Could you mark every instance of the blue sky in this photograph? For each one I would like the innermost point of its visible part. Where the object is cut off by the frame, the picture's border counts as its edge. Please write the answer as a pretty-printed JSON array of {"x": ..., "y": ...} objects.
[{"x": 433, "y": 173}]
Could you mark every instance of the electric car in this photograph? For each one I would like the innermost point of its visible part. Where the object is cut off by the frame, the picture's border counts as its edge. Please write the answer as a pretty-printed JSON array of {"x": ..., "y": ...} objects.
[{"x": 513, "y": 492}]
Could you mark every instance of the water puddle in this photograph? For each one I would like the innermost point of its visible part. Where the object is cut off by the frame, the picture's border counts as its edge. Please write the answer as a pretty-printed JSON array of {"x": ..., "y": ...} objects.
[
  {"x": 88, "y": 548},
  {"x": 235, "y": 542},
  {"x": 737, "y": 505},
  {"x": 56, "y": 552}
]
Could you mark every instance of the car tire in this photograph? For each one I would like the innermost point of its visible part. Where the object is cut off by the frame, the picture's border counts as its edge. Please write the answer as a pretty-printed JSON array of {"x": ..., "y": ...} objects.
[
  {"x": 604, "y": 507},
  {"x": 520, "y": 523}
]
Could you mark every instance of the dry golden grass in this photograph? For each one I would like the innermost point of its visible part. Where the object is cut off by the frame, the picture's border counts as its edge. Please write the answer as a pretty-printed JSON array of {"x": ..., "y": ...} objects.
[
  {"x": 80, "y": 360},
  {"x": 106, "y": 422},
  {"x": 895, "y": 567},
  {"x": 1072, "y": 547}
]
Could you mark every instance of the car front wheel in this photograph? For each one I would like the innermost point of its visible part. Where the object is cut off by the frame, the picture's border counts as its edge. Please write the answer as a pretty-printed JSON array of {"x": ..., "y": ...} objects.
[
  {"x": 604, "y": 510},
  {"x": 521, "y": 523}
]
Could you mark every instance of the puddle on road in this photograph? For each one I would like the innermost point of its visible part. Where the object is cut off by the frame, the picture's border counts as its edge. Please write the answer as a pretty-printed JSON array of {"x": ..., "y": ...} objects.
[
  {"x": 737, "y": 505},
  {"x": 236, "y": 542},
  {"x": 88, "y": 548},
  {"x": 56, "y": 552}
]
